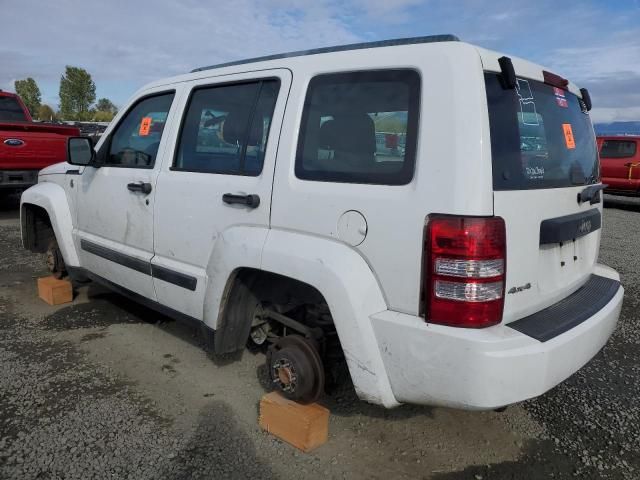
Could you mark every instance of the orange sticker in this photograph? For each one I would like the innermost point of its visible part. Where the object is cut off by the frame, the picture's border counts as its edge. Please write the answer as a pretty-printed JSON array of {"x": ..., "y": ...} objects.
[
  {"x": 145, "y": 126},
  {"x": 568, "y": 136}
]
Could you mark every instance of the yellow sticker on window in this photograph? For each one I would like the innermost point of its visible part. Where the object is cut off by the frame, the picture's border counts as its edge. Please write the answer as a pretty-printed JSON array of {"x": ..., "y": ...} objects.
[
  {"x": 145, "y": 126},
  {"x": 568, "y": 136}
]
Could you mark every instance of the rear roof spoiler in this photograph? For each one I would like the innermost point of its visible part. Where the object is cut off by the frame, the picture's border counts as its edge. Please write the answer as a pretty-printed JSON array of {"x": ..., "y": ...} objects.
[{"x": 509, "y": 80}]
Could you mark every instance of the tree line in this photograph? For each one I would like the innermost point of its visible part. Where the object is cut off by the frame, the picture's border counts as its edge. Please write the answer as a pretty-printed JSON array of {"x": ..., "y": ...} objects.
[{"x": 77, "y": 96}]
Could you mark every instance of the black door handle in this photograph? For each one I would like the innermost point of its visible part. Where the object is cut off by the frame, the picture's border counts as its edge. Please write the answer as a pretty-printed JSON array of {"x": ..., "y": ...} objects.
[
  {"x": 141, "y": 187},
  {"x": 251, "y": 201}
]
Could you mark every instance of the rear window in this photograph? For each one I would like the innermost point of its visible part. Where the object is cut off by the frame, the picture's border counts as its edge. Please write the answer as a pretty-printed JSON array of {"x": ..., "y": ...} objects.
[
  {"x": 360, "y": 127},
  {"x": 10, "y": 110},
  {"x": 617, "y": 149},
  {"x": 541, "y": 136}
]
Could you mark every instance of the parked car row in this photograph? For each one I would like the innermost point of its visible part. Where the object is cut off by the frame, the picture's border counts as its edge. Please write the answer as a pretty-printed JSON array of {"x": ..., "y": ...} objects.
[{"x": 326, "y": 205}]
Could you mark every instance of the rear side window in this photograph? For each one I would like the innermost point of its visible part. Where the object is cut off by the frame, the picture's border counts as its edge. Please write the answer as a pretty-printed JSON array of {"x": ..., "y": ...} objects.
[
  {"x": 360, "y": 127},
  {"x": 10, "y": 110},
  {"x": 226, "y": 128},
  {"x": 617, "y": 149},
  {"x": 541, "y": 136}
]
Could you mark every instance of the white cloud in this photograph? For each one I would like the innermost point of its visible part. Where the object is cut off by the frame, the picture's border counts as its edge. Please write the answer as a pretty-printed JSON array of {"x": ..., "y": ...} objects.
[{"x": 130, "y": 43}]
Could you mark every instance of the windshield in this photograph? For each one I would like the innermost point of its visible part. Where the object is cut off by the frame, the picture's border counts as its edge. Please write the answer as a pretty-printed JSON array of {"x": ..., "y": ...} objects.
[
  {"x": 10, "y": 110},
  {"x": 541, "y": 136}
]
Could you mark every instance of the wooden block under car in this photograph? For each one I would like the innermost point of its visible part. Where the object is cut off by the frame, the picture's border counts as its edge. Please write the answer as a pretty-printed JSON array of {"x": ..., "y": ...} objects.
[
  {"x": 306, "y": 427},
  {"x": 55, "y": 291}
]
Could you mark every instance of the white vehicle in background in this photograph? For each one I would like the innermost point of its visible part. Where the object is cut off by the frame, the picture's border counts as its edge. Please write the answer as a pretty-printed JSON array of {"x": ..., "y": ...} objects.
[{"x": 423, "y": 209}]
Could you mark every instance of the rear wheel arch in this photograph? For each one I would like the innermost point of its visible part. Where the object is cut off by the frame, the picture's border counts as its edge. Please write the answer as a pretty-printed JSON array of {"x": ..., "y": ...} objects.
[{"x": 245, "y": 289}]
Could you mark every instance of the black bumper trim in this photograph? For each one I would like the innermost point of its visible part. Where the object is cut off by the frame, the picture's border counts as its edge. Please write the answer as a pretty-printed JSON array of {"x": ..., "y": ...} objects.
[
  {"x": 18, "y": 178},
  {"x": 570, "y": 312}
]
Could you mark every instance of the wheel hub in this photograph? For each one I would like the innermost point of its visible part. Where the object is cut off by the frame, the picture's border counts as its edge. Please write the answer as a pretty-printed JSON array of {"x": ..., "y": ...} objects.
[
  {"x": 296, "y": 369},
  {"x": 285, "y": 376},
  {"x": 51, "y": 261}
]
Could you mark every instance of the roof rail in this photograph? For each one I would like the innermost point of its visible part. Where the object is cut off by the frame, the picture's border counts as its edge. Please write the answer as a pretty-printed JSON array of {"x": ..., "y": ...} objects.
[{"x": 339, "y": 48}]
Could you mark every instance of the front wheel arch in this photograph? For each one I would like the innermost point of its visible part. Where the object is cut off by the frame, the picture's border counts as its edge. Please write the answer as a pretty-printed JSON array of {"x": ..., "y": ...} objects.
[{"x": 37, "y": 230}]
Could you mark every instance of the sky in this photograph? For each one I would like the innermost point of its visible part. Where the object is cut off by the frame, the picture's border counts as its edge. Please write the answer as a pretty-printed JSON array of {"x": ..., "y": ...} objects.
[{"x": 124, "y": 44}]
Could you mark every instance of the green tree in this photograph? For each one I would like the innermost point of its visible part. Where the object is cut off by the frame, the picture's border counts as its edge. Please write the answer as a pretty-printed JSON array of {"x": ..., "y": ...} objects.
[
  {"x": 30, "y": 94},
  {"x": 106, "y": 105},
  {"x": 46, "y": 113},
  {"x": 77, "y": 93},
  {"x": 101, "y": 116}
]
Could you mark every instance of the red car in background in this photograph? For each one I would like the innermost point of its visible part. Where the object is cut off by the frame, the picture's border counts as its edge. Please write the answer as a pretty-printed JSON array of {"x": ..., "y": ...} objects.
[
  {"x": 620, "y": 164},
  {"x": 26, "y": 146}
]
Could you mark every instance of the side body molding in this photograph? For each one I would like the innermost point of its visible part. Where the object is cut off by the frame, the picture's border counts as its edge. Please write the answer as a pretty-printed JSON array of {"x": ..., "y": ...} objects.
[{"x": 53, "y": 199}]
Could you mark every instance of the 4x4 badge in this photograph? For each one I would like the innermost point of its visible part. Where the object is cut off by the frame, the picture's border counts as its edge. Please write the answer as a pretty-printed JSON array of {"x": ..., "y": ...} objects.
[{"x": 526, "y": 286}]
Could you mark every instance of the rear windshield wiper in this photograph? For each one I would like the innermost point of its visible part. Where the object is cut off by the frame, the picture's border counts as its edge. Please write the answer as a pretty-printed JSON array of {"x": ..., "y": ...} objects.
[{"x": 591, "y": 194}]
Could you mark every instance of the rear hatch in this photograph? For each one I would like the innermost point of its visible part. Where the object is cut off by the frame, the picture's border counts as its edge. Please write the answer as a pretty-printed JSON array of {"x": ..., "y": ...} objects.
[{"x": 544, "y": 155}]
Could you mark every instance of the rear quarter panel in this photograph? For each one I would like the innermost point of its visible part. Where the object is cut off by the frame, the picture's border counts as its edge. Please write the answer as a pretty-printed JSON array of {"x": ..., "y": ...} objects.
[{"x": 452, "y": 173}]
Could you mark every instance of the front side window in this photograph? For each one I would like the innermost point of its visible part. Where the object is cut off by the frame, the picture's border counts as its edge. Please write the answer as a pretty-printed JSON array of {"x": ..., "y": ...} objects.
[
  {"x": 11, "y": 111},
  {"x": 618, "y": 149},
  {"x": 541, "y": 136},
  {"x": 360, "y": 127},
  {"x": 136, "y": 139},
  {"x": 226, "y": 128}
]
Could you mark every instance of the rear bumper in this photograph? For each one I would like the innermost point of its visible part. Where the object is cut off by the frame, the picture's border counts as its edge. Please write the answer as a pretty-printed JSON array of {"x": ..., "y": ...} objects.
[
  {"x": 622, "y": 186},
  {"x": 18, "y": 178},
  {"x": 623, "y": 193},
  {"x": 487, "y": 368}
]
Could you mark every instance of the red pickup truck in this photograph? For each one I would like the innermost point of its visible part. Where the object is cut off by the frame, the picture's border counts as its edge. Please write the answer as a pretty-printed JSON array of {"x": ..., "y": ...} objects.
[
  {"x": 26, "y": 146},
  {"x": 620, "y": 164}
]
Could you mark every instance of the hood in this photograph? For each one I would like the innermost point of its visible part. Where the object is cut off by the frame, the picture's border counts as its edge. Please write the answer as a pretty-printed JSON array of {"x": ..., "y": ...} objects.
[{"x": 57, "y": 169}]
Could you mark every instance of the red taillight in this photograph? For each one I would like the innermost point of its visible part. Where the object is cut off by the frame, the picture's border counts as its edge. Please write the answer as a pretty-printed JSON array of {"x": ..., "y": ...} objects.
[{"x": 464, "y": 270}]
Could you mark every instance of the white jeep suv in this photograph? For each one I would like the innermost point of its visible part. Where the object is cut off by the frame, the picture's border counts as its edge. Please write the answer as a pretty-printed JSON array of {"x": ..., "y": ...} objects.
[{"x": 422, "y": 209}]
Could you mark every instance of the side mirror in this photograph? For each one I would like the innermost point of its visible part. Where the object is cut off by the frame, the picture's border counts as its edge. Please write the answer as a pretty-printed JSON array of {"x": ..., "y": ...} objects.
[{"x": 80, "y": 151}]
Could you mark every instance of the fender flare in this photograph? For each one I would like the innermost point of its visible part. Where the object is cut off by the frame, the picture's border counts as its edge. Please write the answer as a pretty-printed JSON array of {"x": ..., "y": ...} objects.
[
  {"x": 235, "y": 248},
  {"x": 352, "y": 293},
  {"x": 53, "y": 199}
]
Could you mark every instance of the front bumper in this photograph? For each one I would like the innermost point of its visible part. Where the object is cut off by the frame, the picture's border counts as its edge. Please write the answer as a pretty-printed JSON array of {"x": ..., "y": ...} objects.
[
  {"x": 486, "y": 368},
  {"x": 18, "y": 178}
]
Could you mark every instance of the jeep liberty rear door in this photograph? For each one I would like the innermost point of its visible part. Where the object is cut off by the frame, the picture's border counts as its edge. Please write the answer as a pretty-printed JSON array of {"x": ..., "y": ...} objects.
[
  {"x": 214, "y": 194},
  {"x": 545, "y": 164}
]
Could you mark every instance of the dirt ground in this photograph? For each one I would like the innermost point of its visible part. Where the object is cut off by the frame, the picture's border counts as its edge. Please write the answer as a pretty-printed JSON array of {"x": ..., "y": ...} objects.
[{"x": 104, "y": 388}]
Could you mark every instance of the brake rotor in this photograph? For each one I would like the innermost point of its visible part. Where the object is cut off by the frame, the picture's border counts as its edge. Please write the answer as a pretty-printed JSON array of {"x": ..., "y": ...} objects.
[
  {"x": 287, "y": 377},
  {"x": 54, "y": 261}
]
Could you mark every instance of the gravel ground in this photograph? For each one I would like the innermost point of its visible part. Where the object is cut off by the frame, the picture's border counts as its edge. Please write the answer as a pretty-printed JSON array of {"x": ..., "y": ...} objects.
[{"x": 103, "y": 388}]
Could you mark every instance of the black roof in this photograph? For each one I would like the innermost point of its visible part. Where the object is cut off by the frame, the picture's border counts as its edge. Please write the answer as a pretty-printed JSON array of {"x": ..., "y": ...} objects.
[{"x": 339, "y": 48}]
